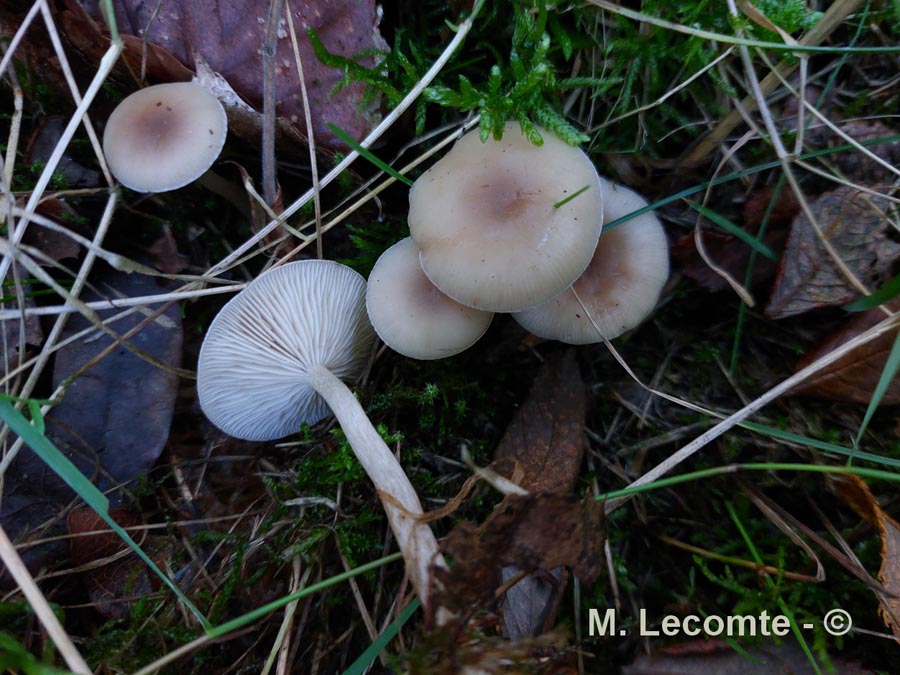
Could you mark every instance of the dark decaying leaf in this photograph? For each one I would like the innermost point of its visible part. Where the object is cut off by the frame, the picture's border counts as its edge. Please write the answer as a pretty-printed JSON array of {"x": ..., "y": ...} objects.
[
  {"x": 546, "y": 436},
  {"x": 545, "y": 441},
  {"x": 853, "y": 377},
  {"x": 114, "y": 418},
  {"x": 730, "y": 254},
  {"x": 230, "y": 36},
  {"x": 41, "y": 145},
  {"x": 854, "y": 492},
  {"x": 531, "y": 532},
  {"x": 856, "y": 228},
  {"x": 114, "y": 586}
]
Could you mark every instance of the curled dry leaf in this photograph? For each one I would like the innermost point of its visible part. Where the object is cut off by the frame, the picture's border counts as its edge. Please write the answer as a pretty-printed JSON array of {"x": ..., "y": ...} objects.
[
  {"x": 855, "y": 226},
  {"x": 854, "y": 492},
  {"x": 854, "y": 376}
]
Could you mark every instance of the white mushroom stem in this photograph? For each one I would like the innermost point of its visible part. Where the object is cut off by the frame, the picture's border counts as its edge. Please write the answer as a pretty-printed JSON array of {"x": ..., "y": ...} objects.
[{"x": 416, "y": 540}]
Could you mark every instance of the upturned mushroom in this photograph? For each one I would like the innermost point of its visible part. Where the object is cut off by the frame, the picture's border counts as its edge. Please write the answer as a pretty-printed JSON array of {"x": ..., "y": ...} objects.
[
  {"x": 163, "y": 137},
  {"x": 275, "y": 357},
  {"x": 411, "y": 315},
  {"x": 505, "y": 225},
  {"x": 620, "y": 287}
]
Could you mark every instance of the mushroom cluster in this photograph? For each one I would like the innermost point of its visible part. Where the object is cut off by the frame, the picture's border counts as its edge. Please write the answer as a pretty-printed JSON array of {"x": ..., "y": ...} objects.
[
  {"x": 508, "y": 226},
  {"x": 163, "y": 137}
]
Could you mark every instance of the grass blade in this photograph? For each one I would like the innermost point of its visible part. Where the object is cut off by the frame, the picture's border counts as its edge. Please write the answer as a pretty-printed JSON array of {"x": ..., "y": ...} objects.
[
  {"x": 353, "y": 144},
  {"x": 368, "y": 657},
  {"x": 735, "y": 231}
]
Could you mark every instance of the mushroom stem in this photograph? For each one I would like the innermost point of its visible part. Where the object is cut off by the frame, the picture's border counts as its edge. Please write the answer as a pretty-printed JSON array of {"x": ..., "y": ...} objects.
[{"x": 415, "y": 539}]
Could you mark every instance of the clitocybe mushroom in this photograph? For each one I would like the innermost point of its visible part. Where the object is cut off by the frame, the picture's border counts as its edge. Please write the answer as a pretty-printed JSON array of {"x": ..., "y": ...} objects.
[
  {"x": 163, "y": 137},
  {"x": 275, "y": 356},
  {"x": 505, "y": 225},
  {"x": 620, "y": 287},
  {"x": 411, "y": 315}
]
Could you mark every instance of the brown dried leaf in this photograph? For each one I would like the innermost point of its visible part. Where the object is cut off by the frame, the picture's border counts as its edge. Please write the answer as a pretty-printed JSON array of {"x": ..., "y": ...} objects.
[
  {"x": 545, "y": 442},
  {"x": 119, "y": 581},
  {"x": 546, "y": 436},
  {"x": 538, "y": 531},
  {"x": 854, "y": 492},
  {"x": 230, "y": 36},
  {"x": 729, "y": 253},
  {"x": 853, "y": 377},
  {"x": 855, "y": 226}
]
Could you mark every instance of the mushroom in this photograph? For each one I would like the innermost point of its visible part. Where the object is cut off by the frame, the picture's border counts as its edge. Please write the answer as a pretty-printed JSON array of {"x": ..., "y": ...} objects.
[
  {"x": 411, "y": 315},
  {"x": 163, "y": 137},
  {"x": 275, "y": 357},
  {"x": 620, "y": 287},
  {"x": 505, "y": 225}
]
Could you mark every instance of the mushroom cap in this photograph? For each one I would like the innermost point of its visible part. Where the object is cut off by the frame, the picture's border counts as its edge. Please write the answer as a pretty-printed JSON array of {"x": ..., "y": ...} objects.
[
  {"x": 489, "y": 223},
  {"x": 411, "y": 315},
  {"x": 252, "y": 372},
  {"x": 620, "y": 287},
  {"x": 163, "y": 137}
]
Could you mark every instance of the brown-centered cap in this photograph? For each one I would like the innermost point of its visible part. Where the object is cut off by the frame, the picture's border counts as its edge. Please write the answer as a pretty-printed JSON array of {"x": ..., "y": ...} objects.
[
  {"x": 620, "y": 287},
  {"x": 505, "y": 225},
  {"x": 163, "y": 137},
  {"x": 411, "y": 315},
  {"x": 253, "y": 367}
]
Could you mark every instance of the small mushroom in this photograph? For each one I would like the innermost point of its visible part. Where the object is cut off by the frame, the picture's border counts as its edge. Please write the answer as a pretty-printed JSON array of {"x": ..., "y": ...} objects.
[
  {"x": 411, "y": 315},
  {"x": 274, "y": 358},
  {"x": 163, "y": 137},
  {"x": 620, "y": 287},
  {"x": 505, "y": 225}
]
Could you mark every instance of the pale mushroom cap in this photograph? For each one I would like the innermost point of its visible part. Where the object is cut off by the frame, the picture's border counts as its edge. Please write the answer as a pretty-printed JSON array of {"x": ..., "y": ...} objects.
[
  {"x": 620, "y": 287},
  {"x": 252, "y": 370},
  {"x": 411, "y": 315},
  {"x": 489, "y": 224},
  {"x": 165, "y": 136}
]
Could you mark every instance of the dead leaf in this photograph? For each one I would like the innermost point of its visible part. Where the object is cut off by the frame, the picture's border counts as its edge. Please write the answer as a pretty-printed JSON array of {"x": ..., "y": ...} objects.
[
  {"x": 853, "y": 377},
  {"x": 230, "y": 36},
  {"x": 546, "y": 435},
  {"x": 164, "y": 253},
  {"x": 114, "y": 419},
  {"x": 545, "y": 441},
  {"x": 855, "y": 226},
  {"x": 41, "y": 145},
  {"x": 116, "y": 577},
  {"x": 538, "y": 531},
  {"x": 854, "y": 492},
  {"x": 54, "y": 244},
  {"x": 857, "y": 165},
  {"x": 729, "y": 253}
]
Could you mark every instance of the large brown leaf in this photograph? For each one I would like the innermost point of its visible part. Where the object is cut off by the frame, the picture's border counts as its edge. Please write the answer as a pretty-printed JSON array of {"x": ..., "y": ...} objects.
[
  {"x": 230, "y": 36},
  {"x": 854, "y": 376},
  {"x": 856, "y": 228}
]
